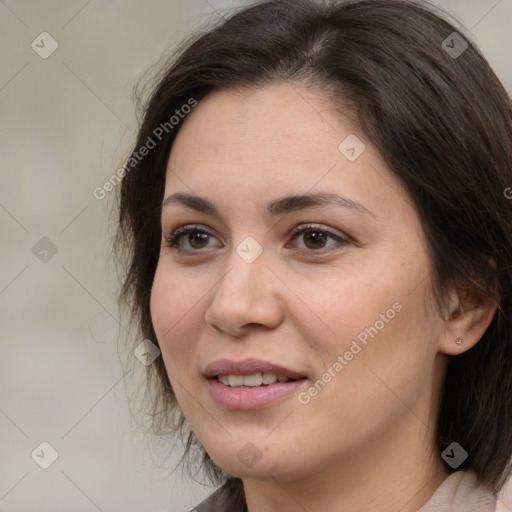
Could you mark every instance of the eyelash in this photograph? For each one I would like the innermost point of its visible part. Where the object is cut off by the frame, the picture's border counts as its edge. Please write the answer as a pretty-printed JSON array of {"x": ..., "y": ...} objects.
[{"x": 175, "y": 236}]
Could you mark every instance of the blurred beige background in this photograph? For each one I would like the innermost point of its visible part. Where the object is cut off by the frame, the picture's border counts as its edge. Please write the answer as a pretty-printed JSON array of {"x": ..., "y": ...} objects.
[{"x": 66, "y": 121}]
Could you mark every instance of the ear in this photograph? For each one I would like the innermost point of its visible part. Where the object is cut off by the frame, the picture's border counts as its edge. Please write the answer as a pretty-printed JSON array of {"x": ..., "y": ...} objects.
[{"x": 470, "y": 313}]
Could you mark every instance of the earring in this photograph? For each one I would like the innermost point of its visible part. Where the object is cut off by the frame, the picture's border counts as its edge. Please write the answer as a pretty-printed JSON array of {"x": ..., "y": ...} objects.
[{"x": 458, "y": 341}]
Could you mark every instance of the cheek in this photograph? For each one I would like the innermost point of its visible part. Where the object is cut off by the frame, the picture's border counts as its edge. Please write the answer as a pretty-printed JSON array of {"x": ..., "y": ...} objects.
[
  {"x": 175, "y": 312},
  {"x": 173, "y": 315},
  {"x": 344, "y": 304},
  {"x": 393, "y": 367},
  {"x": 382, "y": 327}
]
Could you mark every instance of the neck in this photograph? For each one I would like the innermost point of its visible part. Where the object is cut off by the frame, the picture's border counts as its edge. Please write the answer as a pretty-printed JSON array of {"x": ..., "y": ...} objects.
[{"x": 388, "y": 475}]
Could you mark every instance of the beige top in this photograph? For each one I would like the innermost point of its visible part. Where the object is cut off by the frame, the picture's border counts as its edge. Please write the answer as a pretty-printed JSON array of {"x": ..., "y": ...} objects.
[{"x": 460, "y": 492}]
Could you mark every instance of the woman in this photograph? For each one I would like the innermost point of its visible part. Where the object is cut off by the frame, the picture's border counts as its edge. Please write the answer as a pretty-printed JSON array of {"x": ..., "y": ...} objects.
[{"x": 319, "y": 241}]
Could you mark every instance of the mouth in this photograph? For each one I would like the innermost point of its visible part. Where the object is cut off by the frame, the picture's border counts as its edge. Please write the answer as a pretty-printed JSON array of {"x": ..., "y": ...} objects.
[
  {"x": 249, "y": 367},
  {"x": 254, "y": 380},
  {"x": 250, "y": 384}
]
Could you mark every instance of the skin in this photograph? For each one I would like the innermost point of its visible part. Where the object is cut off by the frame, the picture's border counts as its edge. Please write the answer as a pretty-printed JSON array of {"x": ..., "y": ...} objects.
[{"x": 365, "y": 442}]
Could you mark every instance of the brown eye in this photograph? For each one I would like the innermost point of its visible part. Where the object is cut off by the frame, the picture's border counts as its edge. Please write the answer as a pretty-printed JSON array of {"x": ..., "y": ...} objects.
[
  {"x": 197, "y": 240},
  {"x": 188, "y": 239},
  {"x": 314, "y": 238}
]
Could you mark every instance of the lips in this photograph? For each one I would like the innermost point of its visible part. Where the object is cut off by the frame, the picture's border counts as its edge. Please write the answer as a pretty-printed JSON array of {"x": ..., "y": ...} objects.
[
  {"x": 248, "y": 367},
  {"x": 253, "y": 397}
]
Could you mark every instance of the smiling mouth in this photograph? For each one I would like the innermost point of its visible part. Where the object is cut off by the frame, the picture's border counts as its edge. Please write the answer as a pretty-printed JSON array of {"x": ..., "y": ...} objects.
[
  {"x": 250, "y": 384},
  {"x": 254, "y": 380}
]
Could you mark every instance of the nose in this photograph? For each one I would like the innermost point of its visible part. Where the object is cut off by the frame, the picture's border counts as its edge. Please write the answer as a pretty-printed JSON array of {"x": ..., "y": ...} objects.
[{"x": 247, "y": 296}]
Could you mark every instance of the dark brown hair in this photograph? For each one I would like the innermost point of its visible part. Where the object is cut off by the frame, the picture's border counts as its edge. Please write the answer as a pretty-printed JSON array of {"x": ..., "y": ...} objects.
[{"x": 441, "y": 122}]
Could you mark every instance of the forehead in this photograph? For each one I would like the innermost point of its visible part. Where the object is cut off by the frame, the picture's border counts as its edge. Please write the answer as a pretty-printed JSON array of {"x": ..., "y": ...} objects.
[
  {"x": 271, "y": 141},
  {"x": 276, "y": 121}
]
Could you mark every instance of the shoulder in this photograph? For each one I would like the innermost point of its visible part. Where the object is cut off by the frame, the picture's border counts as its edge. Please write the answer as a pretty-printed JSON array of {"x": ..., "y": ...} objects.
[
  {"x": 461, "y": 492},
  {"x": 217, "y": 501}
]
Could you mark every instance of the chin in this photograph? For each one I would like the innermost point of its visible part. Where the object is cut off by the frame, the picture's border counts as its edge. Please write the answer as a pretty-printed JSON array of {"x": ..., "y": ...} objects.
[{"x": 252, "y": 460}]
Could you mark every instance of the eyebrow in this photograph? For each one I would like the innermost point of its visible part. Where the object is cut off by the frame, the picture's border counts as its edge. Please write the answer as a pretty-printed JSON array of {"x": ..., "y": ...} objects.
[{"x": 276, "y": 207}]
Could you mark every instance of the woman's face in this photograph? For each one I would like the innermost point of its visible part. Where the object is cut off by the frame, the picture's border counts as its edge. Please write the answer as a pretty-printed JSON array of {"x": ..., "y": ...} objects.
[{"x": 331, "y": 288}]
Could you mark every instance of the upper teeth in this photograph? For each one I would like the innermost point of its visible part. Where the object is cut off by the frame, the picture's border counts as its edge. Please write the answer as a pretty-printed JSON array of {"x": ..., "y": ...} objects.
[{"x": 255, "y": 379}]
